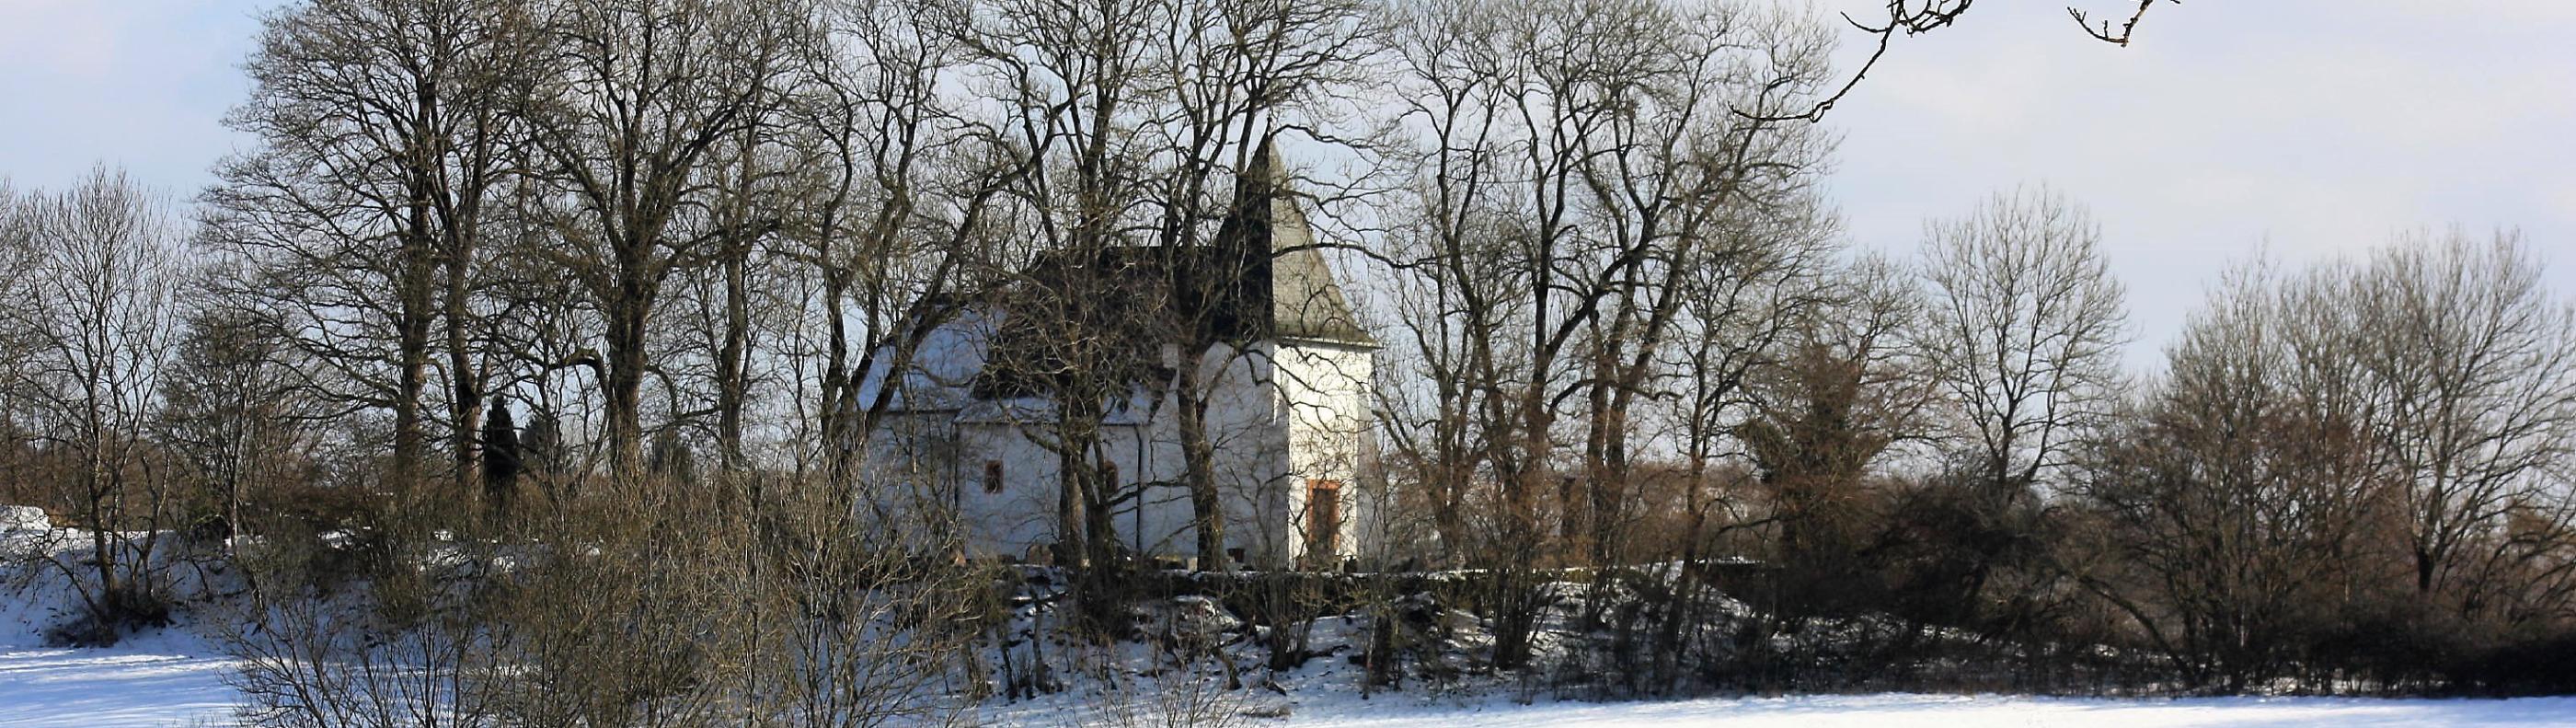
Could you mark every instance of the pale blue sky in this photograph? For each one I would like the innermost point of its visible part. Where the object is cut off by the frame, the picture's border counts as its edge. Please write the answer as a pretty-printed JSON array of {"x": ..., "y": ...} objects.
[
  {"x": 2309, "y": 128},
  {"x": 142, "y": 83},
  {"x": 2305, "y": 127}
]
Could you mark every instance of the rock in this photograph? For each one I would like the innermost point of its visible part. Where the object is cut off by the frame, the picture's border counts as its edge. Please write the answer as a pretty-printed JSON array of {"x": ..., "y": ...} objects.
[{"x": 24, "y": 518}]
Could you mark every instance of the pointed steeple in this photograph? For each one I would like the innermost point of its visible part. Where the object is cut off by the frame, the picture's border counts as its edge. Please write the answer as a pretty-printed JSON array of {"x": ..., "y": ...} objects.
[
  {"x": 1285, "y": 272},
  {"x": 1263, "y": 178},
  {"x": 1260, "y": 189}
]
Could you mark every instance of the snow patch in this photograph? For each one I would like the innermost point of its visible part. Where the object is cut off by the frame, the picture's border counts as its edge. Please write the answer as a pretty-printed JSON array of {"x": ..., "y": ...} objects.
[{"x": 23, "y": 518}]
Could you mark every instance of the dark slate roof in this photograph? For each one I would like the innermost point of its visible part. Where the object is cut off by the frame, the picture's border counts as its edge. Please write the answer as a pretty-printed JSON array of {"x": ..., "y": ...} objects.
[
  {"x": 1261, "y": 278},
  {"x": 1302, "y": 299}
]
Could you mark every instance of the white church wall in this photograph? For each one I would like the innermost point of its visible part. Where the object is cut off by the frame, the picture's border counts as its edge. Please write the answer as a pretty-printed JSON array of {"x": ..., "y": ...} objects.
[
  {"x": 1249, "y": 444},
  {"x": 1324, "y": 397},
  {"x": 1143, "y": 441},
  {"x": 1279, "y": 416},
  {"x": 1244, "y": 427},
  {"x": 1015, "y": 518}
]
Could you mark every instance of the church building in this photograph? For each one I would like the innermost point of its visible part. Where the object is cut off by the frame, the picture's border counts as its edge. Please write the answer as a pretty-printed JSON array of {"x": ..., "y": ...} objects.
[{"x": 1282, "y": 376}]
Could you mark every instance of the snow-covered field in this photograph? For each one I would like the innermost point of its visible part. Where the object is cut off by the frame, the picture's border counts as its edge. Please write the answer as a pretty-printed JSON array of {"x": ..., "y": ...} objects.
[
  {"x": 172, "y": 677},
  {"x": 157, "y": 680},
  {"x": 167, "y": 677},
  {"x": 1905, "y": 711},
  {"x": 166, "y": 680}
]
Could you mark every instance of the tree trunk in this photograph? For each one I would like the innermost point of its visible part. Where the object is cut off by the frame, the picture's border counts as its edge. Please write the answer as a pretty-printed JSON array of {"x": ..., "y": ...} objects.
[
  {"x": 1070, "y": 544},
  {"x": 466, "y": 409},
  {"x": 412, "y": 364},
  {"x": 731, "y": 365},
  {"x": 1207, "y": 509},
  {"x": 411, "y": 352},
  {"x": 624, "y": 384}
]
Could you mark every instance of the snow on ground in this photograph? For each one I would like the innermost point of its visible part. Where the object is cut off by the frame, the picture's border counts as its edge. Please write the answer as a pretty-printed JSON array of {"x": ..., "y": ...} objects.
[
  {"x": 150, "y": 681},
  {"x": 157, "y": 679},
  {"x": 162, "y": 678},
  {"x": 1906, "y": 711},
  {"x": 170, "y": 679}
]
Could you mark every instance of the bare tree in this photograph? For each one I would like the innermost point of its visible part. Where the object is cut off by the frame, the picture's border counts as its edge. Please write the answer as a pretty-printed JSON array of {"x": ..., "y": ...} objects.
[
  {"x": 17, "y": 252},
  {"x": 1586, "y": 203},
  {"x": 100, "y": 315},
  {"x": 903, "y": 188},
  {"x": 1840, "y": 396},
  {"x": 364, "y": 211},
  {"x": 637, "y": 99},
  {"x": 2238, "y": 510},
  {"x": 2363, "y": 444},
  {"x": 1907, "y": 18},
  {"x": 2472, "y": 371},
  {"x": 1234, "y": 75},
  {"x": 230, "y": 409},
  {"x": 1077, "y": 91},
  {"x": 2023, "y": 332}
]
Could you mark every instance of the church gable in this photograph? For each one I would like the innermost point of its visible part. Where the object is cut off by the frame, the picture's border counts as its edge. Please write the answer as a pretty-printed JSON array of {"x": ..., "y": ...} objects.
[
  {"x": 1280, "y": 357},
  {"x": 1298, "y": 296}
]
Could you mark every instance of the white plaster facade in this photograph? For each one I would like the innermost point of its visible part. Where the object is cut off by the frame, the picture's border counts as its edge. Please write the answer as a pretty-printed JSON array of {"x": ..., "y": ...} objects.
[{"x": 1288, "y": 418}]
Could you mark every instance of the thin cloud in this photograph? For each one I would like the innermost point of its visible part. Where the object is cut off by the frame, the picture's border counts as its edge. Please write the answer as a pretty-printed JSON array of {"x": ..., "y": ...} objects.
[{"x": 2322, "y": 127}]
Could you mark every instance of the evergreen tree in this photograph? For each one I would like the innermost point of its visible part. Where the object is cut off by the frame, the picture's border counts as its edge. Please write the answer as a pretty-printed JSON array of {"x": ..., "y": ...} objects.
[
  {"x": 541, "y": 450},
  {"x": 500, "y": 459}
]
